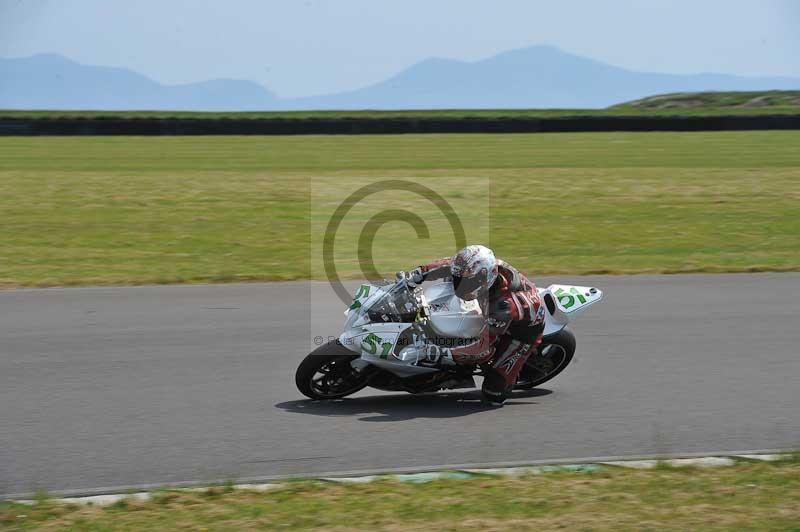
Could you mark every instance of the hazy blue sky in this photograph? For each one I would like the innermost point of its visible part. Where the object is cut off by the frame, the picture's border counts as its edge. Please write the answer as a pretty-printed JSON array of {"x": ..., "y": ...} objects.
[{"x": 303, "y": 47}]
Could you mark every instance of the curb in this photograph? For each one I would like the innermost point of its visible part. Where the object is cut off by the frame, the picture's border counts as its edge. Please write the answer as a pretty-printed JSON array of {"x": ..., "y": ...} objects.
[{"x": 457, "y": 473}]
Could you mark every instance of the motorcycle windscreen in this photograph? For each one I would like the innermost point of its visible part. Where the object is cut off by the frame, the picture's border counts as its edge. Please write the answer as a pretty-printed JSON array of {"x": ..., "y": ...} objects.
[{"x": 398, "y": 306}]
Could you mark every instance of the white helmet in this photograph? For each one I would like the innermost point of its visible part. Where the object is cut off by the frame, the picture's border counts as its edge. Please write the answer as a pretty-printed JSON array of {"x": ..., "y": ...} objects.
[{"x": 474, "y": 270}]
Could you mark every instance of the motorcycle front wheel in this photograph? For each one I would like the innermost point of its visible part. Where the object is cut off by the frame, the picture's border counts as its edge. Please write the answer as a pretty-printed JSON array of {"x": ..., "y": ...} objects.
[
  {"x": 550, "y": 359},
  {"x": 326, "y": 373}
]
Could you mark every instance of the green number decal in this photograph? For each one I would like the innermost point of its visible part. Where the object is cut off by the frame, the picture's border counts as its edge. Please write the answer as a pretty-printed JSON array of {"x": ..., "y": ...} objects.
[
  {"x": 564, "y": 298},
  {"x": 580, "y": 297},
  {"x": 370, "y": 343},
  {"x": 568, "y": 300},
  {"x": 363, "y": 291},
  {"x": 387, "y": 346}
]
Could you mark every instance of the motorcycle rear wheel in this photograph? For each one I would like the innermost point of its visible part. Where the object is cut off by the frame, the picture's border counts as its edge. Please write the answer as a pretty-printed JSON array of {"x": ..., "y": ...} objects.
[
  {"x": 326, "y": 373},
  {"x": 550, "y": 359}
]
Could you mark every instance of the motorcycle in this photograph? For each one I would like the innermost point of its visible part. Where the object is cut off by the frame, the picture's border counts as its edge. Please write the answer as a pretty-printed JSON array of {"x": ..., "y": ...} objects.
[{"x": 394, "y": 331}]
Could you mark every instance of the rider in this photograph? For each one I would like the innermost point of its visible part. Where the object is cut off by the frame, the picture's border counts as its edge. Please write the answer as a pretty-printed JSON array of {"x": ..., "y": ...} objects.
[{"x": 512, "y": 308}]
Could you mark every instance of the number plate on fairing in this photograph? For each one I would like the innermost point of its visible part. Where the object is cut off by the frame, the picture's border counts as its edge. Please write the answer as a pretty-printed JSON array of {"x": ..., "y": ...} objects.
[
  {"x": 361, "y": 295},
  {"x": 378, "y": 345},
  {"x": 571, "y": 298},
  {"x": 377, "y": 340}
]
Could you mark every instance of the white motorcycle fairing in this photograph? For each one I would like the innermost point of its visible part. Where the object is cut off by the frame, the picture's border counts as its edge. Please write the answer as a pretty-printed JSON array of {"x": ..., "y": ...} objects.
[
  {"x": 451, "y": 316},
  {"x": 564, "y": 303},
  {"x": 441, "y": 311}
]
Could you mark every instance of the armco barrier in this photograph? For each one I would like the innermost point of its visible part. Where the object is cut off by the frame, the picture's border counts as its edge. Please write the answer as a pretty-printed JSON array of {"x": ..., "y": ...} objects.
[{"x": 361, "y": 126}]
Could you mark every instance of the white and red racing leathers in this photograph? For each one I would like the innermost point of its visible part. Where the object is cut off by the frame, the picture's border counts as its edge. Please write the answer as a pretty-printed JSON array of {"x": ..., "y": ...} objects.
[{"x": 514, "y": 322}]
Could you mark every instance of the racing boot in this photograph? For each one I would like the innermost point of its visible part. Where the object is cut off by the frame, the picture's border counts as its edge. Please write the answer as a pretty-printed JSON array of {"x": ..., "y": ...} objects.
[{"x": 495, "y": 391}]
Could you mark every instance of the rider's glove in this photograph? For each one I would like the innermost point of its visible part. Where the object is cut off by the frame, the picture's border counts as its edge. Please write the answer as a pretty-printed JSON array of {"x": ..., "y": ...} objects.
[{"x": 413, "y": 277}]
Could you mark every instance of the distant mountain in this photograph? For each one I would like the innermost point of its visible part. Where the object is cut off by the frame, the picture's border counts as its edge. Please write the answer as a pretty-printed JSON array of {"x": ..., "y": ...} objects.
[
  {"x": 50, "y": 81},
  {"x": 534, "y": 77}
]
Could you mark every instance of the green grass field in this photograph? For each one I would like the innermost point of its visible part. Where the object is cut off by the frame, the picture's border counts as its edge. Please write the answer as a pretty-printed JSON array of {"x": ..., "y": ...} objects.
[
  {"x": 128, "y": 210},
  {"x": 746, "y": 497},
  {"x": 678, "y": 104}
]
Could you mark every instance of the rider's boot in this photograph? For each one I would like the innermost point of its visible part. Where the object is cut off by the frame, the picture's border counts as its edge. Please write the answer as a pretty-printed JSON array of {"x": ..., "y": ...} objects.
[{"x": 495, "y": 390}]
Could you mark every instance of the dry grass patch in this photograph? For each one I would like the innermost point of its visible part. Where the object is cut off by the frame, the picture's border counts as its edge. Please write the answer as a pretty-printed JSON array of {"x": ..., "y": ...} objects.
[{"x": 746, "y": 497}]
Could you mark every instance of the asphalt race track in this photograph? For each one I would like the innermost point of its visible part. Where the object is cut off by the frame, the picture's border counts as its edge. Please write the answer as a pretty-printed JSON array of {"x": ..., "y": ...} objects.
[{"x": 105, "y": 387}]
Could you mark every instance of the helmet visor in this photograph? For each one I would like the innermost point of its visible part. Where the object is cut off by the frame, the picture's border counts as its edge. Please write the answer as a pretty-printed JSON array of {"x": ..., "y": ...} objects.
[{"x": 466, "y": 287}]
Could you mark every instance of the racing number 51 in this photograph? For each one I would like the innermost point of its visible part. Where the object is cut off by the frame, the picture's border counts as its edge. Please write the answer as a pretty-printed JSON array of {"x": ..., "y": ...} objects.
[
  {"x": 370, "y": 345},
  {"x": 568, "y": 300}
]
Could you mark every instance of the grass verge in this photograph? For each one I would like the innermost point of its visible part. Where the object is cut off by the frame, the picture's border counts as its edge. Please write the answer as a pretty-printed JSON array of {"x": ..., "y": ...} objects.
[
  {"x": 135, "y": 210},
  {"x": 767, "y": 101},
  {"x": 757, "y": 496}
]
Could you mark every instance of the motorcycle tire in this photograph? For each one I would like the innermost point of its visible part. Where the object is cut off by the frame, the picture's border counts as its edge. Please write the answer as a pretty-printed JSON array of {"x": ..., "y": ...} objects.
[
  {"x": 532, "y": 375},
  {"x": 326, "y": 373}
]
